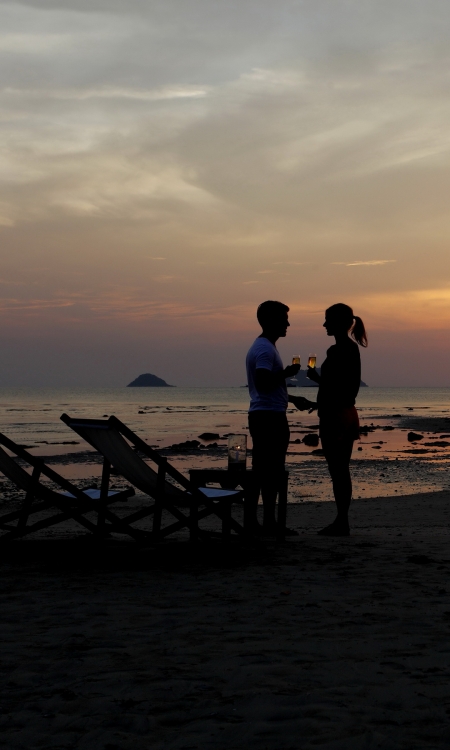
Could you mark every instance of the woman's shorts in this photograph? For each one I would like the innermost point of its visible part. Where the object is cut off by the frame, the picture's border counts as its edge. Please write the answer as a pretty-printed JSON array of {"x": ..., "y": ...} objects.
[{"x": 340, "y": 426}]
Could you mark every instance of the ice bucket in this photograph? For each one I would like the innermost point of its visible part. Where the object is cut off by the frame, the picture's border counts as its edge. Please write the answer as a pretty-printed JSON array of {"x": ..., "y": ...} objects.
[{"x": 237, "y": 452}]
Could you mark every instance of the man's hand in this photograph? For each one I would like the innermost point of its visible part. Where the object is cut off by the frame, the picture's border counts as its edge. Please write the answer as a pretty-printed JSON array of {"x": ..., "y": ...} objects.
[
  {"x": 291, "y": 371},
  {"x": 301, "y": 403},
  {"x": 312, "y": 374}
]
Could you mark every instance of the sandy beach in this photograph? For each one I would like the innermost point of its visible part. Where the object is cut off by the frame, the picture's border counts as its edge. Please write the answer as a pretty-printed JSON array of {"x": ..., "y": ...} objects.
[{"x": 333, "y": 643}]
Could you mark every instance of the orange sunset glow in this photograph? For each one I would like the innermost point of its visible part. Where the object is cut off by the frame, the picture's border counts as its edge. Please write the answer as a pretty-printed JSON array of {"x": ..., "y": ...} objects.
[{"x": 166, "y": 166}]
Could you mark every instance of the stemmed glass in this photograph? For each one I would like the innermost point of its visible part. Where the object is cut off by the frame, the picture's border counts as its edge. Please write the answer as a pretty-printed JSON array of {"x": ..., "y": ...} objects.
[{"x": 295, "y": 361}]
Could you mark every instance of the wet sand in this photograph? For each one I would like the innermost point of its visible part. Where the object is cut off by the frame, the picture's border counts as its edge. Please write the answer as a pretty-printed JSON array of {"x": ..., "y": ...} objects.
[
  {"x": 385, "y": 461},
  {"x": 329, "y": 643}
]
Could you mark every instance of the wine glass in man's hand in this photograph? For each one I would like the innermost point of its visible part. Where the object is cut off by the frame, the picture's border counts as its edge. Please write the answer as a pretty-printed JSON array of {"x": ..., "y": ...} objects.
[{"x": 296, "y": 361}]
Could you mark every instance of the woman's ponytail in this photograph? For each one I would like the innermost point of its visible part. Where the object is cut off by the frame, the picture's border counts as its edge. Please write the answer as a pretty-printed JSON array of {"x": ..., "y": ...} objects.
[
  {"x": 343, "y": 316},
  {"x": 359, "y": 332}
]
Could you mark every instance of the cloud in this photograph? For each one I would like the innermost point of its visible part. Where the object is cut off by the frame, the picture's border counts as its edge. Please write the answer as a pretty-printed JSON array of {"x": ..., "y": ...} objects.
[
  {"x": 363, "y": 263},
  {"x": 107, "y": 92}
]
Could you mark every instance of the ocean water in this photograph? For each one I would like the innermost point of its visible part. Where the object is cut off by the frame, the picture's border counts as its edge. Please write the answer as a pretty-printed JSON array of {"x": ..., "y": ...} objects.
[
  {"x": 383, "y": 462},
  {"x": 33, "y": 415}
]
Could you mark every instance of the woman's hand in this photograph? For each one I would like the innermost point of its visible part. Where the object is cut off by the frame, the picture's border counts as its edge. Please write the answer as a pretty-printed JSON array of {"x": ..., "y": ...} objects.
[
  {"x": 312, "y": 374},
  {"x": 301, "y": 403}
]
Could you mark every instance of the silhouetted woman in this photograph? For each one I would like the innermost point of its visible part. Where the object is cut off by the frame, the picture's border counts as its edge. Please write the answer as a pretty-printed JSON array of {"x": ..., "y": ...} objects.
[{"x": 339, "y": 382}]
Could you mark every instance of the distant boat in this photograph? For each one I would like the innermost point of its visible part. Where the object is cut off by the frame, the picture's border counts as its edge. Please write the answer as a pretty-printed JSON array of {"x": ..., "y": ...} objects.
[
  {"x": 304, "y": 382},
  {"x": 147, "y": 380}
]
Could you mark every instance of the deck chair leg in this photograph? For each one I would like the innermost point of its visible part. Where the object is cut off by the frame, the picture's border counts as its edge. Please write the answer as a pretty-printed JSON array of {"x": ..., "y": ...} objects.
[
  {"x": 25, "y": 512},
  {"x": 104, "y": 487},
  {"x": 226, "y": 520},
  {"x": 193, "y": 517},
  {"x": 159, "y": 499},
  {"x": 157, "y": 516}
]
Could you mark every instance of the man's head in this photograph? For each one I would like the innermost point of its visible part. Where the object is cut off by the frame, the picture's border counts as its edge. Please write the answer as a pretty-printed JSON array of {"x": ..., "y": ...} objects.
[{"x": 273, "y": 318}]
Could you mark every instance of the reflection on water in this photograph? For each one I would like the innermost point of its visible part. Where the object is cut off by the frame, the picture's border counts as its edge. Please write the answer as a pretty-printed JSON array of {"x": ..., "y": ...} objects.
[{"x": 163, "y": 416}]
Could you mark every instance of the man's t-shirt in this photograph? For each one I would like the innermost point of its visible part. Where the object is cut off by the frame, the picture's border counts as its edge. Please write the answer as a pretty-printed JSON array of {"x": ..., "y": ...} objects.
[{"x": 263, "y": 355}]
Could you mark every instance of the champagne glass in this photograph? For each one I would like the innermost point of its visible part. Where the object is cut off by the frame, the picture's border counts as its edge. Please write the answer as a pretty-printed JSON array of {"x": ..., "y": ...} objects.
[
  {"x": 312, "y": 359},
  {"x": 295, "y": 361}
]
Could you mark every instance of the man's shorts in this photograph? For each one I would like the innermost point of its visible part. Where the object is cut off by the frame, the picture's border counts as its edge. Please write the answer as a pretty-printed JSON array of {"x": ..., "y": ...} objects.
[{"x": 270, "y": 435}]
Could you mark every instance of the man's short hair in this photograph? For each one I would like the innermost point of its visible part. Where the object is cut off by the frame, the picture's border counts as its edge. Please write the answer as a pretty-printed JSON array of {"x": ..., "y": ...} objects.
[{"x": 270, "y": 312}]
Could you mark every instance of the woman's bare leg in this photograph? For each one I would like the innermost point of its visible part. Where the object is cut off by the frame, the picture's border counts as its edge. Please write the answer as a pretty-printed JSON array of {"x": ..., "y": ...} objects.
[{"x": 338, "y": 456}]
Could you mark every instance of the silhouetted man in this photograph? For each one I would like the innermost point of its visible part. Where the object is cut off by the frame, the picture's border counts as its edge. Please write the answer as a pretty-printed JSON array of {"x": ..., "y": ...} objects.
[{"x": 268, "y": 403}]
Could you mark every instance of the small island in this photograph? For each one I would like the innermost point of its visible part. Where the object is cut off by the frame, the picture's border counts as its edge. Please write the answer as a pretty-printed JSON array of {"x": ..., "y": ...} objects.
[{"x": 147, "y": 380}]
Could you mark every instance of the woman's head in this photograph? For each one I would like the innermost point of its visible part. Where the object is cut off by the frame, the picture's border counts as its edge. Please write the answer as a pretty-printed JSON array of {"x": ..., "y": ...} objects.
[{"x": 339, "y": 319}]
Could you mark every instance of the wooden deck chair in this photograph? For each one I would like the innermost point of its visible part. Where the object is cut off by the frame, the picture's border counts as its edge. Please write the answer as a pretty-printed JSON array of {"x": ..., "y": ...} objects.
[
  {"x": 169, "y": 489},
  {"x": 69, "y": 501}
]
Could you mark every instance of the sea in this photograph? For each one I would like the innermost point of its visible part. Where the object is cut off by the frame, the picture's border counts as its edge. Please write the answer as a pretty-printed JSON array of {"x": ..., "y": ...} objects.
[{"x": 385, "y": 462}]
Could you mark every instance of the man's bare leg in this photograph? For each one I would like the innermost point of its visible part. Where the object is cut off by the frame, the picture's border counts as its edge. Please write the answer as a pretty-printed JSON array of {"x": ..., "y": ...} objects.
[{"x": 269, "y": 491}]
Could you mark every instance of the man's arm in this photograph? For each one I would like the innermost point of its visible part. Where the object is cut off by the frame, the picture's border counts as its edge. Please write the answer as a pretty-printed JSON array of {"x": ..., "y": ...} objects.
[
  {"x": 302, "y": 404},
  {"x": 266, "y": 380}
]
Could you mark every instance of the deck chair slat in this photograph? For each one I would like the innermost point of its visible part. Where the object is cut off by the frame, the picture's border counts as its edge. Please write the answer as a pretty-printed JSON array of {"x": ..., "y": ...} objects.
[{"x": 111, "y": 444}]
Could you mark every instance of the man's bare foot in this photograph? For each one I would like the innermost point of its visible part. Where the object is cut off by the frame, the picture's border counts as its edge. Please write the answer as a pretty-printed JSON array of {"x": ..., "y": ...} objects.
[
  {"x": 269, "y": 530},
  {"x": 335, "y": 529}
]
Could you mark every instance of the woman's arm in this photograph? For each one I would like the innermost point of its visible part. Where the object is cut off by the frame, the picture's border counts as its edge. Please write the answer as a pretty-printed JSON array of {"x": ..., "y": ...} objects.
[
  {"x": 312, "y": 374},
  {"x": 301, "y": 403},
  {"x": 266, "y": 381}
]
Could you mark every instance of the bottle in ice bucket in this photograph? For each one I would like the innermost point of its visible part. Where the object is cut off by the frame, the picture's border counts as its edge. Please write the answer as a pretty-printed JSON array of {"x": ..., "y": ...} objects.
[{"x": 237, "y": 452}]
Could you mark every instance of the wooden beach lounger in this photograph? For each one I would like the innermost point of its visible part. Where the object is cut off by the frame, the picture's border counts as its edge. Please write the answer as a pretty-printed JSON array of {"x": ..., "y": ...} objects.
[
  {"x": 168, "y": 488},
  {"x": 68, "y": 501}
]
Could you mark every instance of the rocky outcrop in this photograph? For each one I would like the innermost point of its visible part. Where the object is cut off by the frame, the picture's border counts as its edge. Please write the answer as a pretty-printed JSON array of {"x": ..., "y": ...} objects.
[{"x": 147, "y": 380}]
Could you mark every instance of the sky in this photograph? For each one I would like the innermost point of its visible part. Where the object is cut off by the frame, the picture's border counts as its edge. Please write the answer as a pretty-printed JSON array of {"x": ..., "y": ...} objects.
[{"x": 167, "y": 165}]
